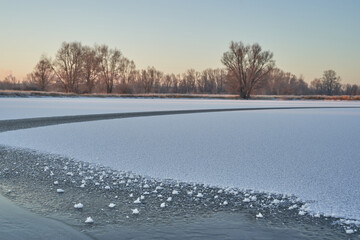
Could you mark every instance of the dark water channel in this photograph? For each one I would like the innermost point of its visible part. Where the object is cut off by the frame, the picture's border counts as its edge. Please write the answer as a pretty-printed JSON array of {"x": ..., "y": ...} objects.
[
  {"x": 218, "y": 226},
  {"x": 17, "y": 223}
]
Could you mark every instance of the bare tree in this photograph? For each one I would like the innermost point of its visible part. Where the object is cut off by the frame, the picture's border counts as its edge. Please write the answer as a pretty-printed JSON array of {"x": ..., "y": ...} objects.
[
  {"x": 169, "y": 83},
  {"x": 207, "y": 81},
  {"x": 220, "y": 80},
  {"x": 42, "y": 74},
  {"x": 330, "y": 82},
  {"x": 248, "y": 66},
  {"x": 68, "y": 66},
  {"x": 301, "y": 87},
  {"x": 316, "y": 86},
  {"x": 211, "y": 81},
  {"x": 280, "y": 83},
  {"x": 10, "y": 82},
  {"x": 188, "y": 82},
  {"x": 150, "y": 79},
  {"x": 126, "y": 76},
  {"x": 127, "y": 68},
  {"x": 109, "y": 66},
  {"x": 354, "y": 90},
  {"x": 91, "y": 67}
]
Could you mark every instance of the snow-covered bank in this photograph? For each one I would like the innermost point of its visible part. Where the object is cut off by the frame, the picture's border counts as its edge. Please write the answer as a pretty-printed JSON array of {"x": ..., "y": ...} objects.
[
  {"x": 310, "y": 153},
  {"x": 16, "y": 108}
]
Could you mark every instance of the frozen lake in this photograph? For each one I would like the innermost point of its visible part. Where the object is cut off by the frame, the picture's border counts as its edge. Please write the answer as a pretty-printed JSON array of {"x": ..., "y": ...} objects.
[
  {"x": 16, "y": 108},
  {"x": 310, "y": 153}
]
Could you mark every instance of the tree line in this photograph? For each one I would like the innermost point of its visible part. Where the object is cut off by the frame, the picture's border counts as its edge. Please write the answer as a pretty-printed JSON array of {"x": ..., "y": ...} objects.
[{"x": 77, "y": 68}]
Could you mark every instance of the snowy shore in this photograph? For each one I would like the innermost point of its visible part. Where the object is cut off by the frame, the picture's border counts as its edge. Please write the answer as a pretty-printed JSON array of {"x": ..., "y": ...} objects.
[
  {"x": 34, "y": 178},
  {"x": 299, "y": 145},
  {"x": 309, "y": 153}
]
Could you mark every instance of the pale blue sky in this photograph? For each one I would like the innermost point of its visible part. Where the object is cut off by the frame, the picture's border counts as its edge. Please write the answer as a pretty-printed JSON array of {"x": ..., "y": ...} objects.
[{"x": 306, "y": 37}]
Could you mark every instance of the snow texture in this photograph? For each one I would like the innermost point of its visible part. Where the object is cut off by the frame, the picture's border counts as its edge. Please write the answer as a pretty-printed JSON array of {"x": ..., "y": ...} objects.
[
  {"x": 78, "y": 206},
  {"x": 310, "y": 153},
  {"x": 89, "y": 220},
  {"x": 18, "y": 108}
]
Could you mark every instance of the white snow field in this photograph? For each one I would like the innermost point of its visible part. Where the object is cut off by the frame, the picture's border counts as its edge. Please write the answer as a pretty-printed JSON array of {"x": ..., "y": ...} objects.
[
  {"x": 16, "y": 108},
  {"x": 313, "y": 154}
]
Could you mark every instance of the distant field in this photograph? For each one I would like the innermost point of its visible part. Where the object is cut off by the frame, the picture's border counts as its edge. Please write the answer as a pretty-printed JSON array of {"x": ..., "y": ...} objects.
[{"x": 9, "y": 93}]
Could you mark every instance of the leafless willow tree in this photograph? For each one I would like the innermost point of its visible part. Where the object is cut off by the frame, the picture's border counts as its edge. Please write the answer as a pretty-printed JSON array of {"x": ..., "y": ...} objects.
[
  {"x": 68, "y": 66},
  {"x": 248, "y": 66}
]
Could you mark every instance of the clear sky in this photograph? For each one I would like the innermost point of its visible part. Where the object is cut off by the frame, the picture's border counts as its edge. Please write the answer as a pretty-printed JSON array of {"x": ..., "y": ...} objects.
[{"x": 306, "y": 37}]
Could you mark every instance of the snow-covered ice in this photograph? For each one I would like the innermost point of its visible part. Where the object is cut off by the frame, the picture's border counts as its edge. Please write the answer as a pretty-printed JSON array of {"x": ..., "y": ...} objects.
[
  {"x": 310, "y": 153},
  {"x": 78, "y": 206},
  {"x": 199, "y": 195},
  {"x": 302, "y": 213},
  {"x": 135, "y": 211},
  {"x": 18, "y": 108},
  {"x": 89, "y": 220}
]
